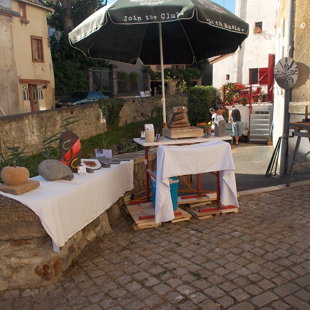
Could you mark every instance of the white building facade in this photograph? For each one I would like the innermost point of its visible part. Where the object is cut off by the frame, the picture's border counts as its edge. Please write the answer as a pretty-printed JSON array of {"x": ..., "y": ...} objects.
[{"x": 253, "y": 54}]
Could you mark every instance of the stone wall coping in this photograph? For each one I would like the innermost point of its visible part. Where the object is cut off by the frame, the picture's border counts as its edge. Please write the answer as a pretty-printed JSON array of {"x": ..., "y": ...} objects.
[
  {"x": 16, "y": 117},
  {"x": 299, "y": 107},
  {"x": 138, "y": 157}
]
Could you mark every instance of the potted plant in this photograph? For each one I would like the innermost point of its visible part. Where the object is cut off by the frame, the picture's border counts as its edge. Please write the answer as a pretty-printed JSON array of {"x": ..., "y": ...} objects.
[{"x": 244, "y": 101}]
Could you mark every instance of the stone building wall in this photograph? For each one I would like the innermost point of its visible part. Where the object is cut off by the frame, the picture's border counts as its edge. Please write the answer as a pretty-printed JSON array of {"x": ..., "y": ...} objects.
[
  {"x": 8, "y": 71},
  {"x": 301, "y": 91}
]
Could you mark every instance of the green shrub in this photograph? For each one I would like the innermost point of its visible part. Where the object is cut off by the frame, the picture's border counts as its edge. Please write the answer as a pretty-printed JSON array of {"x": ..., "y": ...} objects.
[
  {"x": 200, "y": 100},
  {"x": 111, "y": 109}
]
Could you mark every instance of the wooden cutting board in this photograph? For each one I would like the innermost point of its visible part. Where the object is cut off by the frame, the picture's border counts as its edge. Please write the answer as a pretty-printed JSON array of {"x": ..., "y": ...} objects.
[
  {"x": 185, "y": 132},
  {"x": 20, "y": 189}
]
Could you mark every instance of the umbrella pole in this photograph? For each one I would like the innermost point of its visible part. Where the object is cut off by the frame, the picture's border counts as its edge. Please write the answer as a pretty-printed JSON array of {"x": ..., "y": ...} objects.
[{"x": 162, "y": 75}]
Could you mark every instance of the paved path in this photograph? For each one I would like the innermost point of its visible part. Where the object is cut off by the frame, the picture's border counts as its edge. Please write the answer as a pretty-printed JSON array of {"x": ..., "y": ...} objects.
[
  {"x": 252, "y": 161},
  {"x": 256, "y": 259}
]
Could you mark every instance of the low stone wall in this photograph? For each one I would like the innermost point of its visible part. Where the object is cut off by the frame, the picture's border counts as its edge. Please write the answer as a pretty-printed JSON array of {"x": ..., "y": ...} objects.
[
  {"x": 26, "y": 255},
  {"x": 27, "y": 131},
  {"x": 140, "y": 109}
]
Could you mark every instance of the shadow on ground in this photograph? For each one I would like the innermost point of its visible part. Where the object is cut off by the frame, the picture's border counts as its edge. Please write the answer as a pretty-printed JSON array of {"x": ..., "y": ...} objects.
[{"x": 251, "y": 161}]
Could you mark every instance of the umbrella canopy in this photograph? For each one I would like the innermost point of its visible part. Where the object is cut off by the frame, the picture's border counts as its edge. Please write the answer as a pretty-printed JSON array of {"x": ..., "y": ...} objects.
[{"x": 159, "y": 32}]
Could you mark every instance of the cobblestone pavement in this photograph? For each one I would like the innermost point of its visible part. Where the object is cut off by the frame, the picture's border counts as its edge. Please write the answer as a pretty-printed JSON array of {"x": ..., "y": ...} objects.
[{"x": 256, "y": 259}]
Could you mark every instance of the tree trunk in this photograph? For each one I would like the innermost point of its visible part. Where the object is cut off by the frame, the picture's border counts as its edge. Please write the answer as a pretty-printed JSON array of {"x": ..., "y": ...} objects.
[{"x": 68, "y": 22}]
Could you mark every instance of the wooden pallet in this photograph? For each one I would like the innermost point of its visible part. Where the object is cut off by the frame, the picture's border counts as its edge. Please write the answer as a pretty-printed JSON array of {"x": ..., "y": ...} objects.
[
  {"x": 181, "y": 215},
  {"x": 199, "y": 204},
  {"x": 208, "y": 212},
  {"x": 143, "y": 215},
  {"x": 195, "y": 199}
]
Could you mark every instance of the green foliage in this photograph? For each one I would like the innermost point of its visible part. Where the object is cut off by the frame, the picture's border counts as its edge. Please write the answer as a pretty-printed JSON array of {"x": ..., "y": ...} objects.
[
  {"x": 70, "y": 65},
  {"x": 84, "y": 8},
  {"x": 133, "y": 77},
  {"x": 227, "y": 91},
  {"x": 110, "y": 109},
  {"x": 18, "y": 155},
  {"x": 13, "y": 154},
  {"x": 123, "y": 82},
  {"x": 127, "y": 82},
  {"x": 185, "y": 76},
  {"x": 153, "y": 75},
  {"x": 80, "y": 10},
  {"x": 120, "y": 138},
  {"x": 244, "y": 101},
  {"x": 49, "y": 150},
  {"x": 200, "y": 100},
  {"x": 133, "y": 81},
  {"x": 122, "y": 76}
]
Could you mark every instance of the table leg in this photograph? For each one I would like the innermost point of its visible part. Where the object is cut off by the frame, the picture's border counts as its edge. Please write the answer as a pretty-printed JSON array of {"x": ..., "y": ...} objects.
[
  {"x": 199, "y": 183},
  {"x": 188, "y": 185},
  {"x": 218, "y": 189},
  {"x": 290, "y": 172},
  {"x": 147, "y": 166}
]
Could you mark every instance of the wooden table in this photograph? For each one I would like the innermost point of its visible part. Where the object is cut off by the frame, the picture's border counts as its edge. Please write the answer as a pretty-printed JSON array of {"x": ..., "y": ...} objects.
[
  {"x": 66, "y": 207},
  {"x": 167, "y": 141},
  {"x": 301, "y": 130}
]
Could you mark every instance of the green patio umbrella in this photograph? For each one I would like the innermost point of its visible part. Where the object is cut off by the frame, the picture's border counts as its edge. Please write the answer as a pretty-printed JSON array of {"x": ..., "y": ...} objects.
[{"x": 159, "y": 32}]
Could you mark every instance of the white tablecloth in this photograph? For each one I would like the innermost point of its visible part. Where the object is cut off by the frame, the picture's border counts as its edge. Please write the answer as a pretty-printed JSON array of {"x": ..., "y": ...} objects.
[
  {"x": 65, "y": 207},
  {"x": 193, "y": 159}
]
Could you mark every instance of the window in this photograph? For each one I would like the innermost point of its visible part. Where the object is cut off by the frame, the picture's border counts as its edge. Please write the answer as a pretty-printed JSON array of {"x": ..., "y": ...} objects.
[
  {"x": 37, "y": 92},
  {"x": 25, "y": 92},
  {"x": 258, "y": 27},
  {"x": 40, "y": 92},
  {"x": 37, "y": 49},
  {"x": 227, "y": 77},
  {"x": 253, "y": 76}
]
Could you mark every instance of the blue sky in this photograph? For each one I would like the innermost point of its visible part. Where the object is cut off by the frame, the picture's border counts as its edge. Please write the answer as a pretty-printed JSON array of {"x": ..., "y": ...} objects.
[{"x": 228, "y": 4}]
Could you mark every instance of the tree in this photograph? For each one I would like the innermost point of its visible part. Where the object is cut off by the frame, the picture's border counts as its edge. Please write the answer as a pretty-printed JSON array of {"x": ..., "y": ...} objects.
[
  {"x": 70, "y": 13},
  {"x": 70, "y": 66},
  {"x": 67, "y": 17}
]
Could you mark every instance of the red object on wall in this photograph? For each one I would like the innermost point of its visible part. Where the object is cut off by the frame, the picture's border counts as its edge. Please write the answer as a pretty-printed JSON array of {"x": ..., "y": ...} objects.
[
  {"x": 70, "y": 150},
  {"x": 270, "y": 84},
  {"x": 263, "y": 76},
  {"x": 266, "y": 77}
]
